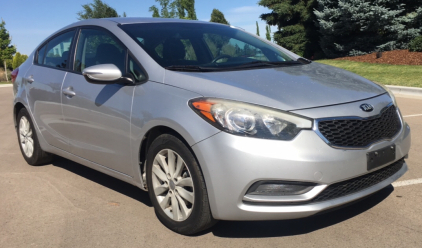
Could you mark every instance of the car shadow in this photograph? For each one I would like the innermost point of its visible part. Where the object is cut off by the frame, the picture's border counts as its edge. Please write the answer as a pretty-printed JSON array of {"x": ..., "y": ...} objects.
[
  {"x": 261, "y": 229},
  {"x": 105, "y": 180}
]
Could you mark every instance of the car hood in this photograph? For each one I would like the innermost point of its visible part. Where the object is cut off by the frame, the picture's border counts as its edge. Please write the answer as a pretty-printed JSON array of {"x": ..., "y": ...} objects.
[{"x": 285, "y": 88}]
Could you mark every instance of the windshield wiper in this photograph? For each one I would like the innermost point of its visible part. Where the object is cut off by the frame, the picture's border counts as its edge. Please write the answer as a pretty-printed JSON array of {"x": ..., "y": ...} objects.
[
  {"x": 304, "y": 61},
  {"x": 267, "y": 63},
  {"x": 190, "y": 68}
]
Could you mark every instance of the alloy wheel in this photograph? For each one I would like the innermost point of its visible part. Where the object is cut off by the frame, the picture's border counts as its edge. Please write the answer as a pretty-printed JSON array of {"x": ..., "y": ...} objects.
[
  {"x": 25, "y": 137},
  {"x": 172, "y": 185}
]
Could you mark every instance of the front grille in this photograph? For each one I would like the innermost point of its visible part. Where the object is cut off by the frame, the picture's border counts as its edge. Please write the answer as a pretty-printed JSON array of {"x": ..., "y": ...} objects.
[
  {"x": 359, "y": 183},
  {"x": 361, "y": 132}
]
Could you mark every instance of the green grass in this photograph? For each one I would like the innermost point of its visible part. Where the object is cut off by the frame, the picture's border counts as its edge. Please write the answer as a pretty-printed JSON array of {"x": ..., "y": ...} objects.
[
  {"x": 401, "y": 75},
  {"x": 4, "y": 82}
]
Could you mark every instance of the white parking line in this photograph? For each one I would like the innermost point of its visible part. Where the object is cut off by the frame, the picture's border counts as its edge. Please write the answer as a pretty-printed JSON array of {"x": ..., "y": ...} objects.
[
  {"x": 412, "y": 115},
  {"x": 407, "y": 182},
  {"x": 5, "y": 85}
]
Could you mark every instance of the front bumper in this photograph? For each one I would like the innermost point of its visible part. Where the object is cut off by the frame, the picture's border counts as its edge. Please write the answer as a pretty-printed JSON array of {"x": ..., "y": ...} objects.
[{"x": 231, "y": 164}]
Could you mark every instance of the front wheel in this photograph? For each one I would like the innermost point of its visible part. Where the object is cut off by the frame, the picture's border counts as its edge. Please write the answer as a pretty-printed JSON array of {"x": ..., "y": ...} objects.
[{"x": 176, "y": 186}]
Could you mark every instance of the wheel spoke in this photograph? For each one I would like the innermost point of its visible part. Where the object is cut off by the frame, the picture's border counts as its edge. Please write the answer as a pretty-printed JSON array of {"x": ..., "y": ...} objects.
[
  {"x": 188, "y": 196},
  {"x": 175, "y": 207},
  {"x": 159, "y": 173},
  {"x": 171, "y": 159},
  {"x": 158, "y": 187},
  {"x": 26, "y": 126},
  {"x": 164, "y": 203},
  {"x": 179, "y": 167},
  {"x": 185, "y": 182},
  {"x": 162, "y": 161},
  {"x": 29, "y": 134},
  {"x": 161, "y": 189},
  {"x": 30, "y": 149},
  {"x": 183, "y": 208}
]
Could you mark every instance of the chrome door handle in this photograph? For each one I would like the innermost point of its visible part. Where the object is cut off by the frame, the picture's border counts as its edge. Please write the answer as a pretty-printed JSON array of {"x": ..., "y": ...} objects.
[{"x": 69, "y": 92}]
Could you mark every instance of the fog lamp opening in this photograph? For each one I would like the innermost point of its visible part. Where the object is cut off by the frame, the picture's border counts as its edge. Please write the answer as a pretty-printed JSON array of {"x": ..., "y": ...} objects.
[{"x": 279, "y": 188}]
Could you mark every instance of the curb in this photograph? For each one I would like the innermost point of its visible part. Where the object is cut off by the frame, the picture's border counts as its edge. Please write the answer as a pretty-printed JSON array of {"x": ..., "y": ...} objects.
[
  {"x": 414, "y": 91},
  {"x": 5, "y": 85}
]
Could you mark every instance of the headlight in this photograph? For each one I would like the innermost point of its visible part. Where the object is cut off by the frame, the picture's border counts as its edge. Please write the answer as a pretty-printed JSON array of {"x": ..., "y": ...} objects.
[{"x": 250, "y": 120}]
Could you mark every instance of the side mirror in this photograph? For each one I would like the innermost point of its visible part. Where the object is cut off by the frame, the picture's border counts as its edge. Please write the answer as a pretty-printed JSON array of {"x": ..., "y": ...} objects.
[{"x": 104, "y": 74}]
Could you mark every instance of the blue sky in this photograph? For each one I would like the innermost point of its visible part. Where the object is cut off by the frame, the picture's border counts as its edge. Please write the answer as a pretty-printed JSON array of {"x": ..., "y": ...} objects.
[{"x": 29, "y": 22}]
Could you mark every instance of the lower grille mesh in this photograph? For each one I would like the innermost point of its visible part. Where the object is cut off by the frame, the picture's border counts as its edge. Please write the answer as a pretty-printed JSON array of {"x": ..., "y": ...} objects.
[{"x": 359, "y": 183}]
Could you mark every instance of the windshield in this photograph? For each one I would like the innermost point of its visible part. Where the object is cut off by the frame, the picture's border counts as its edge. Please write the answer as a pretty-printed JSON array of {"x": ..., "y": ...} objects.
[{"x": 209, "y": 46}]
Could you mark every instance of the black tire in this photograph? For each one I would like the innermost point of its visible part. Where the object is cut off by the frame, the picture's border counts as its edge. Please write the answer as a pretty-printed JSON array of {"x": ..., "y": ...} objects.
[
  {"x": 38, "y": 157},
  {"x": 200, "y": 217}
]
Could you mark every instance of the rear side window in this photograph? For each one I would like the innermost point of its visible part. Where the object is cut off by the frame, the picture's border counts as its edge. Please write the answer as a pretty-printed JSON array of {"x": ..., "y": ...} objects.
[
  {"x": 57, "y": 51},
  {"x": 41, "y": 54},
  {"x": 97, "y": 47}
]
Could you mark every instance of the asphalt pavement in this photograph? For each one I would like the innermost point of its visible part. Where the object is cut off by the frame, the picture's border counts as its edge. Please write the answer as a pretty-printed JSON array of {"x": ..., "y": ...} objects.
[{"x": 65, "y": 204}]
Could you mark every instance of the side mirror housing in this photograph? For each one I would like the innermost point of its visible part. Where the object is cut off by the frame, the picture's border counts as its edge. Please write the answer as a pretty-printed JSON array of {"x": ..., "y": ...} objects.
[{"x": 104, "y": 74}]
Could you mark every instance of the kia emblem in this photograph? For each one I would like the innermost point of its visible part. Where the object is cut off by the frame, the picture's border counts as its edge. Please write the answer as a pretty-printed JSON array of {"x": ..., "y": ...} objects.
[{"x": 366, "y": 107}]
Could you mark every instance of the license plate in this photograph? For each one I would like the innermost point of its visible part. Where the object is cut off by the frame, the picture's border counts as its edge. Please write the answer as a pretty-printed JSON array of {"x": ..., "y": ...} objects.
[{"x": 380, "y": 157}]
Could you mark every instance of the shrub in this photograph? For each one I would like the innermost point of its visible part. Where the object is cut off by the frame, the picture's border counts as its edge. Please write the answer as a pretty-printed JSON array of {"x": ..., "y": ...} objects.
[{"x": 416, "y": 44}]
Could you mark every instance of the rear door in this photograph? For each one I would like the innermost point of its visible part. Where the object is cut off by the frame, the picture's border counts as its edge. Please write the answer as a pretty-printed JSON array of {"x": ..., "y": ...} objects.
[
  {"x": 45, "y": 78},
  {"x": 98, "y": 116}
]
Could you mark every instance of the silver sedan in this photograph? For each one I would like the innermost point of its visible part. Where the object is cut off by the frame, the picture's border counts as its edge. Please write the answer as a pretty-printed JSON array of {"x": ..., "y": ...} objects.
[{"x": 216, "y": 123}]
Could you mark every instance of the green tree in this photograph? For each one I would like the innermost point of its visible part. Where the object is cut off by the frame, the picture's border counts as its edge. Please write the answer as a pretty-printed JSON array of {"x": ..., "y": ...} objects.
[
  {"x": 357, "y": 27},
  {"x": 183, "y": 9},
  {"x": 257, "y": 29},
  {"x": 186, "y": 6},
  {"x": 268, "y": 32},
  {"x": 295, "y": 22},
  {"x": 168, "y": 9},
  {"x": 97, "y": 9},
  {"x": 6, "y": 50},
  {"x": 218, "y": 17},
  {"x": 18, "y": 59}
]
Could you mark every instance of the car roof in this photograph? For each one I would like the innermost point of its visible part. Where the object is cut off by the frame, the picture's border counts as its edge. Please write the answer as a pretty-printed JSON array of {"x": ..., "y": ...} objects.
[{"x": 132, "y": 20}]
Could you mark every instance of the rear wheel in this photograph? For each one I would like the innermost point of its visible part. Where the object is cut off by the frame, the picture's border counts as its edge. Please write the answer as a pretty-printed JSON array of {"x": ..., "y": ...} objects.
[
  {"x": 28, "y": 141},
  {"x": 176, "y": 186}
]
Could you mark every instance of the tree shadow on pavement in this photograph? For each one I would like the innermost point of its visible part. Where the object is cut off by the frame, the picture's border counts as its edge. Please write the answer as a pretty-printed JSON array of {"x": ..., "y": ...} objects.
[
  {"x": 260, "y": 229},
  {"x": 103, "y": 179}
]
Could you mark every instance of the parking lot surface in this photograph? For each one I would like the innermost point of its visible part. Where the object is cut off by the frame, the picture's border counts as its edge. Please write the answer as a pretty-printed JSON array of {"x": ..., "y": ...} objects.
[{"x": 65, "y": 204}]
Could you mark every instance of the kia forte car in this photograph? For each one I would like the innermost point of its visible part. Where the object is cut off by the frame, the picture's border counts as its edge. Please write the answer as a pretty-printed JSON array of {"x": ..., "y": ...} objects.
[{"x": 214, "y": 122}]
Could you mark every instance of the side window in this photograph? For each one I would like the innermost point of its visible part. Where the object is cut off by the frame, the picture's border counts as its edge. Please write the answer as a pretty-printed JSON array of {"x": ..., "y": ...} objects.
[
  {"x": 97, "y": 47},
  {"x": 57, "y": 54},
  {"x": 41, "y": 54},
  {"x": 135, "y": 70}
]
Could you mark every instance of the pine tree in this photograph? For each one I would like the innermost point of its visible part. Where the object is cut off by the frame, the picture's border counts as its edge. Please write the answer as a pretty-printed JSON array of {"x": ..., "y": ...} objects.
[
  {"x": 6, "y": 50},
  {"x": 257, "y": 29},
  {"x": 97, "y": 9},
  {"x": 268, "y": 32},
  {"x": 356, "y": 27},
  {"x": 295, "y": 22},
  {"x": 218, "y": 17}
]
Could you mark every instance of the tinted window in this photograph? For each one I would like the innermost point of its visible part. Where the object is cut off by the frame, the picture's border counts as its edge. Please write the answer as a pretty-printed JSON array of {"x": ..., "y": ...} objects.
[
  {"x": 204, "y": 45},
  {"x": 57, "y": 54},
  {"x": 136, "y": 71},
  {"x": 97, "y": 47}
]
